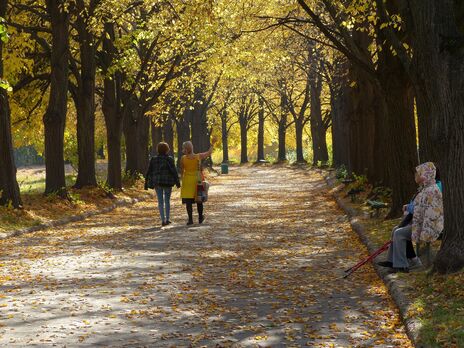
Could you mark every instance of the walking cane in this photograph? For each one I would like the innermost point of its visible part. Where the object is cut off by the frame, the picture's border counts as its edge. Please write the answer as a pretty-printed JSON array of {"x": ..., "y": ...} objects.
[{"x": 367, "y": 259}]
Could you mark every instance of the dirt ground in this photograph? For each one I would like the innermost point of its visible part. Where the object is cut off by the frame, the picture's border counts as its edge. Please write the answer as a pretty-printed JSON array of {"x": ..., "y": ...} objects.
[{"x": 264, "y": 270}]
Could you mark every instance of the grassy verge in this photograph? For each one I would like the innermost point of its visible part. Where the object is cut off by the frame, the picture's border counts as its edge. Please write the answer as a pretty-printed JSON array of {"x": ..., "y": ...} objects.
[
  {"x": 39, "y": 208},
  {"x": 437, "y": 301}
]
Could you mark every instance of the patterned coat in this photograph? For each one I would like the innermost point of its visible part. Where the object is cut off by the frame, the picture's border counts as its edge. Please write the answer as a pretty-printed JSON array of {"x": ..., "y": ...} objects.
[
  {"x": 428, "y": 219},
  {"x": 161, "y": 172}
]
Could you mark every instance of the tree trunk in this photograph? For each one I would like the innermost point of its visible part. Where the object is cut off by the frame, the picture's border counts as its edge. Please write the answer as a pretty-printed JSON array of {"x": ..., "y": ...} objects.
[
  {"x": 427, "y": 149},
  {"x": 340, "y": 125},
  {"x": 85, "y": 106},
  {"x": 9, "y": 189},
  {"x": 156, "y": 138},
  {"x": 113, "y": 122},
  {"x": 55, "y": 115},
  {"x": 112, "y": 112},
  {"x": 282, "y": 134},
  {"x": 399, "y": 146},
  {"x": 168, "y": 134},
  {"x": 282, "y": 130},
  {"x": 225, "y": 140},
  {"x": 243, "y": 141},
  {"x": 143, "y": 136},
  {"x": 199, "y": 121},
  {"x": 261, "y": 131},
  {"x": 136, "y": 133},
  {"x": 439, "y": 82},
  {"x": 299, "y": 125},
  {"x": 318, "y": 131},
  {"x": 366, "y": 133},
  {"x": 183, "y": 132}
]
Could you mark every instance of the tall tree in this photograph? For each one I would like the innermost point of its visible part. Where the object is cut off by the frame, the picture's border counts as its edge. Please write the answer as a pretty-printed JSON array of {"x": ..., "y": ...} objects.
[
  {"x": 9, "y": 189},
  {"x": 55, "y": 115},
  {"x": 318, "y": 127},
  {"x": 156, "y": 136},
  {"x": 437, "y": 73},
  {"x": 246, "y": 113},
  {"x": 83, "y": 92},
  {"x": 400, "y": 154},
  {"x": 111, "y": 107},
  {"x": 261, "y": 119}
]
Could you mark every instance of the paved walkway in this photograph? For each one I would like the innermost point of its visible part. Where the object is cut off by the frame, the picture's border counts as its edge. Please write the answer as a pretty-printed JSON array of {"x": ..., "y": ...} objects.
[{"x": 263, "y": 271}]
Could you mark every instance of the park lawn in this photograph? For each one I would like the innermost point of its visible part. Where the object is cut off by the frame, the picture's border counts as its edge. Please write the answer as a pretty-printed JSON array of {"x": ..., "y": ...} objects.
[{"x": 437, "y": 301}]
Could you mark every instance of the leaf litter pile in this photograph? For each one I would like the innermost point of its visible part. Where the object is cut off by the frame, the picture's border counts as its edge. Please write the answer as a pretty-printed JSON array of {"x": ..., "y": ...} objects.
[{"x": 264, "y": 270}]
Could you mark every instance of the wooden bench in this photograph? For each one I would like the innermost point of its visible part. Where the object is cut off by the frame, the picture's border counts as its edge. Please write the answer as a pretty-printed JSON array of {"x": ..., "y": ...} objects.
[
  {"x": 376, "y": 206},
  {"x": 425, "y": 253},
  {"x": 347, "y": 181}
]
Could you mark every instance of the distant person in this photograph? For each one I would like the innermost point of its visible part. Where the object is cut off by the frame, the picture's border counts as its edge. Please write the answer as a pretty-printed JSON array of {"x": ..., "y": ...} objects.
[
  {"x": 162, "y": 176},
  {"x": 190, "y": 170},
  {"x": 427, "y": 220}
]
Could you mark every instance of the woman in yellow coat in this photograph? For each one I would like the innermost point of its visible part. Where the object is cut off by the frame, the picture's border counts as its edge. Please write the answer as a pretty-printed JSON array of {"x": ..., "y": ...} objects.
[{"x": 189, "y": 169}]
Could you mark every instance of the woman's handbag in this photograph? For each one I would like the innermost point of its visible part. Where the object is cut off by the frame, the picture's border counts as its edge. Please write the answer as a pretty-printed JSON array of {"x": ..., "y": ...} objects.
[{"x": 202, "y": 186}]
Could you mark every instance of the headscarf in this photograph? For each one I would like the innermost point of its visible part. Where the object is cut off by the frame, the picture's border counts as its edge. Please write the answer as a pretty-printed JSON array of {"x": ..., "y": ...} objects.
[{"x": 427, "y": 171}]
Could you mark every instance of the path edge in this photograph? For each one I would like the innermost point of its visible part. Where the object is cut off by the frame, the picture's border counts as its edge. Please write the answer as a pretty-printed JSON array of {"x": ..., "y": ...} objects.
[
  {"x": 72, "y": 218},
  {"x": 402, "y": 301}
]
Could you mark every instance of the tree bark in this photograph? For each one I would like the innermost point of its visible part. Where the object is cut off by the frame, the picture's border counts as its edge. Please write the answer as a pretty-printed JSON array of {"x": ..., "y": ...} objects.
[
  {"x": 54, "y": 118},
  {"x": 318, "y": 130},
  {"x": 340, "y": 125},
  {"x": 183, "y": 132},
  {"x": 243, "y": 140},
  {"x": 261, "y": 131},
  {"x": 156, "y": 137},
  {"x": 225, "y": 136},
  {"x": 282, "y": 134},
  {"x": 282, "y": 130},
  {"x": 299, "y": 126},
  {"x": 136, "y": 128},
  {"x": 85, "y": 104},
  {"x": 400, "y": 142},
  {"x": 112, "y": 111},
  {"x": 427, "y": 149},
  {"x": 366, "y": 136},
  {"x": 199, "y": 122},
  {"x": 9, "y": 189},
  {"x": 168, "y": 133},
  {"x": 439, "y": 81}
]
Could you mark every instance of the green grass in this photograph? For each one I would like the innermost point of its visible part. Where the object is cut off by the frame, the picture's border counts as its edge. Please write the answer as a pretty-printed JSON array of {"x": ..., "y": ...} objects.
[
  {"x": 34, "y": 185},
  {"x": 438, "y": 301},
  {"x": 440, "y": 307}
]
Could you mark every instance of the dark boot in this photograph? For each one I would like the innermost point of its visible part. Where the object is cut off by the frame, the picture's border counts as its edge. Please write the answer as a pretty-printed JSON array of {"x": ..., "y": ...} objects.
[
  {"x": 201, "y": 217},
  {"x": 190, "y": 213}
]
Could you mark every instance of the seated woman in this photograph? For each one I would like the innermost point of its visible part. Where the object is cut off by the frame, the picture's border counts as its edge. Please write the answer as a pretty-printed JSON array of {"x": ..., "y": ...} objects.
[
  {"x": 427, "y": 222},
  {"x": 413, "y": 260}
]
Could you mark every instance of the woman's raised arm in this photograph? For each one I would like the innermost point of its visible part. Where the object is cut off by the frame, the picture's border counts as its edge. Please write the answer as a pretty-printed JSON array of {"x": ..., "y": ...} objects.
[{"x": 206, "y": 154}]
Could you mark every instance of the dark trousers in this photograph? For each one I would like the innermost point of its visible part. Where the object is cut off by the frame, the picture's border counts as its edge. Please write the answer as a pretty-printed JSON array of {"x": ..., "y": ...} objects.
[
  {"x": 190, "y": 210},
  {"x": 410, "y": 252}
]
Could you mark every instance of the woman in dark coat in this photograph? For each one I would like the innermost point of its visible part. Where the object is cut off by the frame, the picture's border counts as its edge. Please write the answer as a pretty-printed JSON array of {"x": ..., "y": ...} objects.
[{"x": 162, "y": 176}]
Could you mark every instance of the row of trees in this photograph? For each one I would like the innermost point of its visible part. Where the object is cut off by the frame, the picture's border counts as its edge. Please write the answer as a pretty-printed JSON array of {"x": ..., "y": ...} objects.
[
  {"x": 368, "y": 70},
  {"x": 148, "y": 67},
  {"x": 398, "y": 56}
]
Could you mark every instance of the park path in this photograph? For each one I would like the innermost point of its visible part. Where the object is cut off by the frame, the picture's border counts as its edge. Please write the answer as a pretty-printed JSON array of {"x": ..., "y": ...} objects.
[{"x": 263, "y": 271}]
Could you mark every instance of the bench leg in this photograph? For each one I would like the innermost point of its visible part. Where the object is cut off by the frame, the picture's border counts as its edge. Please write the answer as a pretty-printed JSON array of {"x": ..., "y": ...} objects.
[{"x": 424, "y": 251}]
